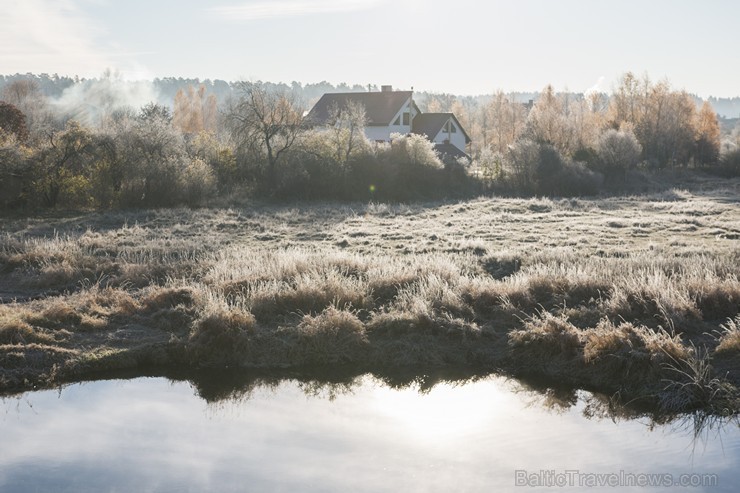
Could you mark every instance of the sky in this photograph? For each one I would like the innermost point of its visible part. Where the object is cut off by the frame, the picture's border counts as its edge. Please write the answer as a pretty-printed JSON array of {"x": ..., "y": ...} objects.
[{"x": 462, "y": 47}]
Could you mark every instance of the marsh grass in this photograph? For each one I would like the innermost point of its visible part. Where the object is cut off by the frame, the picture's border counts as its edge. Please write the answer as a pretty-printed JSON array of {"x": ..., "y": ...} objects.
[
  {"x": 333, "y": 337},
  {"x": 631, "y": 360},
  {"x": 220, "y": 335},
  {"x": 580, "y": 289},
  {"x": 693, "y": 385},
  {"x": 729, "y": 340}
]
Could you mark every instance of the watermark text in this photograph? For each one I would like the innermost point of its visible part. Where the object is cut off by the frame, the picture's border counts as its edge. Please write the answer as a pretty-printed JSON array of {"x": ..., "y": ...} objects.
[{"x": 570, "y": 478}]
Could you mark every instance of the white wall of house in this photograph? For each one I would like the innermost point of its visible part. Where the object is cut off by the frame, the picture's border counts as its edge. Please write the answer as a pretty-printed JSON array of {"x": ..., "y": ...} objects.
[
  {"x": 455, "y": 138},
  {"x": 378, "y": 133}
]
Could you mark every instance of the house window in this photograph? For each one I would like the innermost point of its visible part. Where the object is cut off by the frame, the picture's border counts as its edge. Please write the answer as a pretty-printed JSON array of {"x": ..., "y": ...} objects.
[
  {"x": 398, "y": 121},
  {"x": 450, "y": 127},
  {"x": 406, "y": 119}
]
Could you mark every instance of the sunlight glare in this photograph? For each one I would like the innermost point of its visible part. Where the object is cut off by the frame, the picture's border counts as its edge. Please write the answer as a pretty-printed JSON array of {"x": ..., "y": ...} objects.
[{"x": 447, "y": 412}]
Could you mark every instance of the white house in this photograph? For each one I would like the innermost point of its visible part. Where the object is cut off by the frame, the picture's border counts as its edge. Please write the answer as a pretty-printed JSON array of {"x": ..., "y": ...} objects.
[
  {"x": 445, "y": 131},
  {"x": 389, "y": 112}
]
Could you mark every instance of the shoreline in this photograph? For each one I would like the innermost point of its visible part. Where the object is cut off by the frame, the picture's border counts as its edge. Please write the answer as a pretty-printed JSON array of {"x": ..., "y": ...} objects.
[{"x": 635, "y": 296}]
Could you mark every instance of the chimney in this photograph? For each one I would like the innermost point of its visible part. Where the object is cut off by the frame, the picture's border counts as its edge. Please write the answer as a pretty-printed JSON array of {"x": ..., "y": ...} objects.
[{"x": 386, "y": 88}]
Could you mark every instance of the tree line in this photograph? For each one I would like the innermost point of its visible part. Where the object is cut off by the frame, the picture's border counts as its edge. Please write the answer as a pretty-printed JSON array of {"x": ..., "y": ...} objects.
[{"x": 256, "y": 142}]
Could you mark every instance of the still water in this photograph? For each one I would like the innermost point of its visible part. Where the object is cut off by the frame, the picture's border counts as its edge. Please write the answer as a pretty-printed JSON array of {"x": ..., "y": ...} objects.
[{"x": 365, "y": 435}]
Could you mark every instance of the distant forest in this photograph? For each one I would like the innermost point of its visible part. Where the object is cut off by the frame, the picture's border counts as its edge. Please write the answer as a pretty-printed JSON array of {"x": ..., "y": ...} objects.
[{"x": 166, "y": 89}]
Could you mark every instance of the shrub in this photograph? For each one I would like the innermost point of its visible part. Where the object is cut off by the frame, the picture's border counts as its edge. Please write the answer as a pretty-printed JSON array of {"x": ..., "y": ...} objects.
[
  {"x": 729, "y": 164},
  {"x": 618, "y": 151},
  {"x": 199, "y": 182},
  {"x": 520, "y": 166},
  {"x": 533, "y": 168},
  {"x": 14, "y": 177},
  {"x": 152, "y": 162}
]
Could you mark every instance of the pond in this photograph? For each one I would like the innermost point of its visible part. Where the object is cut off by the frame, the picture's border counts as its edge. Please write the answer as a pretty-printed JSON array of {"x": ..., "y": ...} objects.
[{"x": 362, "y": 434}]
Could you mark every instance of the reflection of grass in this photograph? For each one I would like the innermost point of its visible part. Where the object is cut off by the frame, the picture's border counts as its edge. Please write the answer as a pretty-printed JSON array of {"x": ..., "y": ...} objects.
[{"x": 536, "y": 286}]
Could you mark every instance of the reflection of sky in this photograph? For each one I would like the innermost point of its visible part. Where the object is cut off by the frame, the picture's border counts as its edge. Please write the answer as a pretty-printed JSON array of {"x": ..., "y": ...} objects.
[{"x": 153, "y": 435}]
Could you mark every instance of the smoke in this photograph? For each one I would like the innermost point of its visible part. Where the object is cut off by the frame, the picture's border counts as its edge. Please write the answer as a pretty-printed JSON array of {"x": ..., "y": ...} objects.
[
  {"x": 596, "y": 88},
  {"x": 92, "y": 102}
]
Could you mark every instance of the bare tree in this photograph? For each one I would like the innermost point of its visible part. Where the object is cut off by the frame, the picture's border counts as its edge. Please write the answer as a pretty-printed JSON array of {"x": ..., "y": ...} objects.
[
  {"x": 26, "y": 96},
  {"x": 266, "y": 121},
  {"x": 505, "y": 120},
  {"x": 548, "y": 122},
  {"x": 347, "y": 124}
]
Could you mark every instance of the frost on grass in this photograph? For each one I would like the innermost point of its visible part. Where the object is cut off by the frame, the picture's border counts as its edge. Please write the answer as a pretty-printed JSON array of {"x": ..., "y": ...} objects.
[{"x": 575, "y": 290}]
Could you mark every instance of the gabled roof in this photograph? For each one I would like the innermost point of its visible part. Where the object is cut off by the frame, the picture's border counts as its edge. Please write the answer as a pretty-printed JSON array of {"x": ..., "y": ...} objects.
[
  {"x": 429, "y": 124},
  {"x": 380, "y": 107}
]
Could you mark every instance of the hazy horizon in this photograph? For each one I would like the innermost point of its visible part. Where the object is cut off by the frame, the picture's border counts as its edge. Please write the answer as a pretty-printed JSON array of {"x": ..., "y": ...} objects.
[{"x": 465, "y": 49}]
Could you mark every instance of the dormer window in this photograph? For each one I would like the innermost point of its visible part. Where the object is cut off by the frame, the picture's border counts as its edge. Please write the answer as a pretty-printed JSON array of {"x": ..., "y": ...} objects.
[
  {"x": 406, "y": 119},
  {"x": 398, "y": 121}
]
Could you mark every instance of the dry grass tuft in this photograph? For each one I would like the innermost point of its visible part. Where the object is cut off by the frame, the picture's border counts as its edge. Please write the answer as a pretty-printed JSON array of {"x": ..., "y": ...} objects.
[
  {"x": 719, "y": 299},
  {"x": 544, "y": 336},
  {"x": 15, "y": 331},
  {"x": 60, "y": 315},
  {"x": 108, "y": 302},
  {"x": 629, "y": 341},
  {"x": 160, "y": 298},
  {"x": 631, "y": 352},
  {"x": 501, "y": 266},
  {"x": 333, "y": 336},
  {"x": 307, "y": 294},
  {"x": 220, "y": 334},
  {"x": 729, "y": 340}
]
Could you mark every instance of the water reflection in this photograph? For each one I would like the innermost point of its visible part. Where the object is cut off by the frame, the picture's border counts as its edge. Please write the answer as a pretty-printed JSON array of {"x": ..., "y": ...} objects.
[
  {"x": 220, "y": 386},
  {"x": 436, "y": 431}
]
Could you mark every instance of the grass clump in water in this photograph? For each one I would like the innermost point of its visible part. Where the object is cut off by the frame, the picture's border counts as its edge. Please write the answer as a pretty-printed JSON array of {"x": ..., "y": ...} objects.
[{"x": 693, "y": 385}]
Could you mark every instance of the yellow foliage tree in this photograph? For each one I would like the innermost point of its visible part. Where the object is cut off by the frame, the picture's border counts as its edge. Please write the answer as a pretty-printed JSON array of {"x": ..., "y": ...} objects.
[
  {"x": 707, "y": 135},
  {"x": 194, "y": 111}
]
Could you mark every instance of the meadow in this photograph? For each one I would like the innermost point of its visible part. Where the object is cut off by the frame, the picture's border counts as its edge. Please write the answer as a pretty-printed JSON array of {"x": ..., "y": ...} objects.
[{"x": 637, "y": 297}]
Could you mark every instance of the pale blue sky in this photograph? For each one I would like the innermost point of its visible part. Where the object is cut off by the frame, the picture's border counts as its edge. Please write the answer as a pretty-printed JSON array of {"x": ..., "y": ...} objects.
[{"x": 458, "y": 46}]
